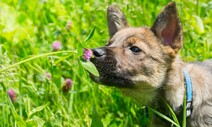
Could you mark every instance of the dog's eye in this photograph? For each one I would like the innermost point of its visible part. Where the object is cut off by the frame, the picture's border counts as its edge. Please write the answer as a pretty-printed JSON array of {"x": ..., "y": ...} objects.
[{"x": 135, "y": 49}]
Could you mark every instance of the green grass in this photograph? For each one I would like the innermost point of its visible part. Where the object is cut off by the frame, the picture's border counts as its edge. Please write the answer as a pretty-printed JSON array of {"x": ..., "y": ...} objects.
[{"x": 27, "y": 30}]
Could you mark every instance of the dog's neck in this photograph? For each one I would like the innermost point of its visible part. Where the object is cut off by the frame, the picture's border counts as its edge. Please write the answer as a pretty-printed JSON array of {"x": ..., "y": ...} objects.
[{"x": 174, "y": 86}]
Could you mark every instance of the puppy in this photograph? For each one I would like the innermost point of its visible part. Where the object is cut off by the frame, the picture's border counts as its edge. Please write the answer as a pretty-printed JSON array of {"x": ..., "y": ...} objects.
[{"x": 144, "y": 63}]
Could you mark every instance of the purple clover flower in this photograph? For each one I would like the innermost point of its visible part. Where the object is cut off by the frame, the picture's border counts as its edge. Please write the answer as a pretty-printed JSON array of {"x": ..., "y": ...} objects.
[
  {"x": 56, "y": 45},
  {"x": 67, "y": 85},
  {"x": 87, "y": 54},
  {"x": 12, "y": 95},
  {"x": 68, "y": 82}
]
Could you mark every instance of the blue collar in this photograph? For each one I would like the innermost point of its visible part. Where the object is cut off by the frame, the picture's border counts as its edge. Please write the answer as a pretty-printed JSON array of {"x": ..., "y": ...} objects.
[{"x": 189, "y": 94}]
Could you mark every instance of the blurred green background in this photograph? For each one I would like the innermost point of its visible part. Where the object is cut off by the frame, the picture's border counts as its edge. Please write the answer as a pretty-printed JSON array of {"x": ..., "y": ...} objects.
[{"x": 29, "y": 28}]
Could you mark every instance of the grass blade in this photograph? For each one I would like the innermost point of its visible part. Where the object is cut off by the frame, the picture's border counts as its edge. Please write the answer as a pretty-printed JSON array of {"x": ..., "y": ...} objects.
[
  {"x": 172, "y": 112},
  {"x": 20, "y": 122},
  {"x": 184, "y": 111},
  {"x": 200, "y": 25},
  {"x": 35, "y": 57},
  {"x": 96, "y": 121},
  {"x": 38, "y": 109},
  {"x": 90, "y": 35},
  {"x": 164, "y": 117}
]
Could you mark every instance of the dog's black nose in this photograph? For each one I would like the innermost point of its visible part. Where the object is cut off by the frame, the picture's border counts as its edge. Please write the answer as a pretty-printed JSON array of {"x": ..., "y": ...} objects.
[{"x": 98, "y": 52}]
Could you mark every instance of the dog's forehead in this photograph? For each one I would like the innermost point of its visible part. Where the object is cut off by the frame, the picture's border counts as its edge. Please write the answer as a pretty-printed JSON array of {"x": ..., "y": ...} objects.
[{"x": 121, "y": 36}]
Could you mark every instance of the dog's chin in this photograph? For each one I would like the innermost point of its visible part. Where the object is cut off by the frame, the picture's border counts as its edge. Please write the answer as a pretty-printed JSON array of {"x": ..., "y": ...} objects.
[{"x": 120, "y": 82}]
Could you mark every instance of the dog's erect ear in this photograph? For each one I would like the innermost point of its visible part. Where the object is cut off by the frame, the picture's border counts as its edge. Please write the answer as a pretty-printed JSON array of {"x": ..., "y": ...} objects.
[
  {"x": 116, "y": 19},
  {"x": 167, "y": 27}
]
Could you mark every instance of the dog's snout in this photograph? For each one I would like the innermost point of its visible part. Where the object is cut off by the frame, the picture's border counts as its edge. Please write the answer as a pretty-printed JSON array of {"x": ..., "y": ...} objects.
[{"x": 98, "y": 52}]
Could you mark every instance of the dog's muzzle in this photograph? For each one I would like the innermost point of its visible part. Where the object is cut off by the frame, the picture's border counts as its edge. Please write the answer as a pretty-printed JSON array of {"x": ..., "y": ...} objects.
[{"x": 106, "y": 63}]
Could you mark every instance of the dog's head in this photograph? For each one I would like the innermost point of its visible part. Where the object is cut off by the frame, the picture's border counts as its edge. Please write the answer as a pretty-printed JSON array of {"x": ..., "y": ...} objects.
[{"x": 138, "y": 56}]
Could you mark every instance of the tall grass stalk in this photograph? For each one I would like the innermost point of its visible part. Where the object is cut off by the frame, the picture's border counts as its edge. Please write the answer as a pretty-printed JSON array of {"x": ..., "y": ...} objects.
[{"x": 35, "y": 57}]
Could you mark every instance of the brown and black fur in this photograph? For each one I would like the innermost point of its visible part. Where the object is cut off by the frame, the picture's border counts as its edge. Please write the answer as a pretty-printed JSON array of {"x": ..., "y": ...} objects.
[{"x": 144, "y": 63}]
